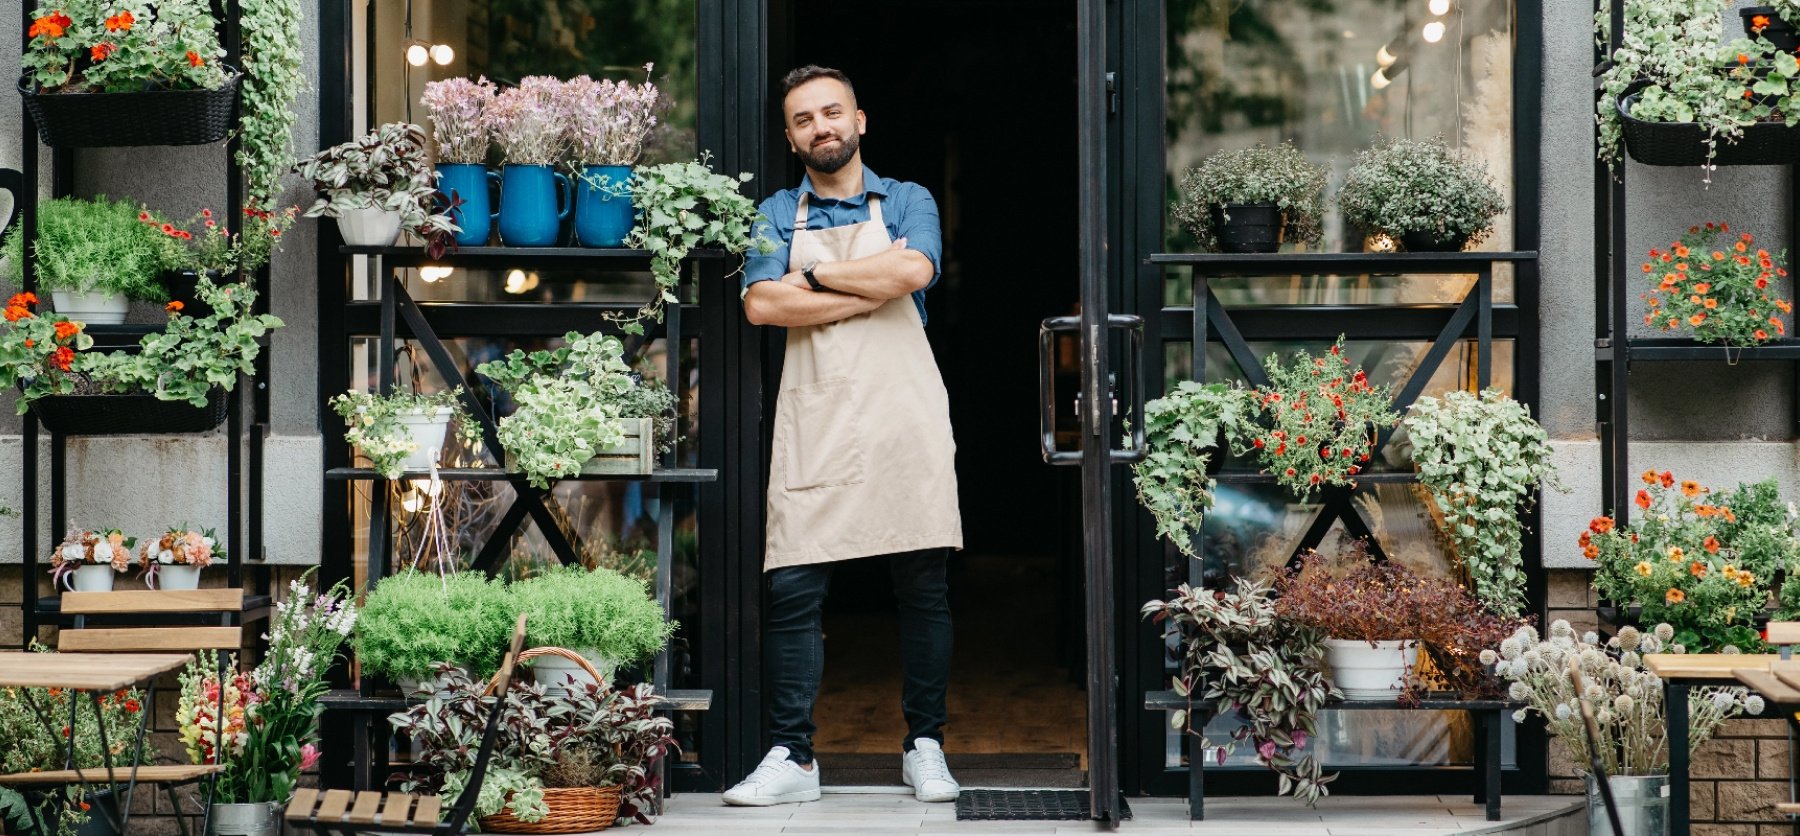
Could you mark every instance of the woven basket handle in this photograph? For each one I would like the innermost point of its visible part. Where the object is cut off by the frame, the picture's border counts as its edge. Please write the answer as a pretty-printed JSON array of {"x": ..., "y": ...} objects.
[{"x": 566, "y": 654}]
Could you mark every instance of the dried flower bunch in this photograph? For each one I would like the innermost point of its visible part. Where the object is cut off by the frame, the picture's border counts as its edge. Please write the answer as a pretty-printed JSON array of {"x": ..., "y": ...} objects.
[
  {"x": 1316, "y": 422},
  {"x": 527, "y": 121},
  {"x": 1482, "y": 457},
  {"x": 1626, "y": 699},
  {"x": 1697, "y": 559},
  {"x": 1401, "y": 186},
  {"x": 89, "y": 46},
  {"x": 1240, "y": 655},
  {"x": 1281, "y": 175},
  {"x": 457, "y": 106},
  {"x": 1718, "y": 287},
  {"x": 609, "y": 121}
]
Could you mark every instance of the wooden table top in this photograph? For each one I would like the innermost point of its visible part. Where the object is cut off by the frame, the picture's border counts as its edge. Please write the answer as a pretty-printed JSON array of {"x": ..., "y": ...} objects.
[
  {"x": 1708, "y": 667},
  {"x": 85, "y": 671}
]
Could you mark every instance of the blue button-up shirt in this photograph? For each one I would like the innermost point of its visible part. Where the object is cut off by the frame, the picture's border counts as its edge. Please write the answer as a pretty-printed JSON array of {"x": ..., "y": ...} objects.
[{"x": 907, "y": 208}]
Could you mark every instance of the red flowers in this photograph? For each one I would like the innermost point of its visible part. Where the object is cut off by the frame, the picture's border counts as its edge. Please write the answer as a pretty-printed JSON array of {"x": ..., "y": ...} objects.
[
  {"x": 194, "y": 59},
  {"x": 1643, "y": 499},
  {"x": 67, "y": 329},
  {"x": 63, "y": 358},
  {"x": 101, "y": 50},
  {"x": 51, "y": 26},
  {"x": 120, "y": 22}
]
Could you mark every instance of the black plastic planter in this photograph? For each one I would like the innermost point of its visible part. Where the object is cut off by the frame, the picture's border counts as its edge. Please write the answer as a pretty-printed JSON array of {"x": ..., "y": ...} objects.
[
  {"x": 183, "y": 287},
  {"x": 1779, "y": 32},
  {"x": 1684, "y": 143},
  {"x": 1431, "y": 241},
  {"x": 1248, "y": 227},
  {"x": 149, "y": 117},
  {"x": 128, "y": 414}
]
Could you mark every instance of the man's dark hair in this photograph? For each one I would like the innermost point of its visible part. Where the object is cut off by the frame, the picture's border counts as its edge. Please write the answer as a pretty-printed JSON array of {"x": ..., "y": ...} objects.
[{"x": 811, "y": 72}]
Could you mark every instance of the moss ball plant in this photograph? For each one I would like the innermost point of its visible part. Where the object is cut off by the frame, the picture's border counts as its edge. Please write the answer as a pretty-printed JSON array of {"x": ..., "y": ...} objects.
[
  {"x": 416, "y": 619},
  {"x": 600, "y": 611}
]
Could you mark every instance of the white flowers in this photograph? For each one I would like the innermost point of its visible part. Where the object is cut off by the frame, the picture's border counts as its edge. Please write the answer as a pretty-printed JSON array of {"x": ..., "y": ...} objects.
[
  {"x": 1519, "y": 691},
  {"x": 1488, "y": 656}
]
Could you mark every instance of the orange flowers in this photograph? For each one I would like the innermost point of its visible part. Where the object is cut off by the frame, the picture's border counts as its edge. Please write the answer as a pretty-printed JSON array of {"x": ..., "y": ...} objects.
[
  {"x": 1690, "y": 488},
  {"x": 1703, "y": 287},
  {"x": 101, "y": 50},
  {"x": 1601, "y": 525},
  {"x": 1667, "y": 479},
  {"x": 1711, "y": 545},
  {"x": 120, "y": 22},
  {"x": 63, "y": 358},
  {"x": 1759, "y": 23},
  {"x": 67, "y": 329},
  {"x": 51, "y": 26},
  {"x": 194, "y": 59},
  {"x": 1674, "y": 596},
  {"x": 1677, "y": 554},
  {"x": 14, "y": 313},
  {"x": 1697, "y": 320},
  {"x": 1697, "y": 569},
  {"x": 1643, "y": 568},
  {"x": 1643, "y": 499},
  {"x": 174, "y": 305}
]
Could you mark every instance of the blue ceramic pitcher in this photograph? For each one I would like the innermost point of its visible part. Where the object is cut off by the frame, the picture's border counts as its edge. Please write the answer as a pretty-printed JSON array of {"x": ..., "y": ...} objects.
[
  {"x": 469, "y": 182},
  {"x": 603, "y": 214},
  {"x": 534, "y": 201}
]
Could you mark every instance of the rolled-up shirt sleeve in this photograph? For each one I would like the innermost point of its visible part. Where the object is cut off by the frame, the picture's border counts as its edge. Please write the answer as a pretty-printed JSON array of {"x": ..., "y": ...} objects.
[
  {"x": 776, "y": 225},
  {"x": 919, "y": 225}
]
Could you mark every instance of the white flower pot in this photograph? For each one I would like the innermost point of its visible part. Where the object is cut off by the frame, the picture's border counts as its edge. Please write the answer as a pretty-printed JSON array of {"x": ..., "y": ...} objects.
[
  {"x": 91, "y": 308},
  {"x": 94, "y": 577},
  {"x": 554, "y": 672},
  {"x": 177, "y": 576},
  {"x": 428, "y": 428},
  {"x": 261, "y": 818},
  {"x": 370, "y": 226},
  {"x": 1363, "y": 672}
]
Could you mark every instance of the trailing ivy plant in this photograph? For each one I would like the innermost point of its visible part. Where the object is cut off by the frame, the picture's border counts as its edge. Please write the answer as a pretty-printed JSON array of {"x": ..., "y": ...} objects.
[
  {"x": 1181, "y": 430},
  {"x": 1270, "y": 673},
  {"x": 190, "y": 356},
  {"x": 683, "y": 206},
  {"x": 1482, "y": 457},
  {"x": 568, "y": 404},
  {"x": 1318, "y": 420},
  {"x": 272, "y": 80}
]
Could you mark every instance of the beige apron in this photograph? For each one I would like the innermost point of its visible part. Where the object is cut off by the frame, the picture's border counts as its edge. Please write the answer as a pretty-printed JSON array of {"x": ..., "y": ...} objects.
[{"x": 863, "y": 462}]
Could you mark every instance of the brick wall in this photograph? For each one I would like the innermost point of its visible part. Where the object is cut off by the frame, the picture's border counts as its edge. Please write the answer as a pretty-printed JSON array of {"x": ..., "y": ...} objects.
[{"x": 1736, "y": 778}]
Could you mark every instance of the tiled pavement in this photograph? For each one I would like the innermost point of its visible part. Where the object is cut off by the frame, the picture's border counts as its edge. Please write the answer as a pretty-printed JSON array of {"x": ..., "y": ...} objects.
[{"x": 892, "y": 814}]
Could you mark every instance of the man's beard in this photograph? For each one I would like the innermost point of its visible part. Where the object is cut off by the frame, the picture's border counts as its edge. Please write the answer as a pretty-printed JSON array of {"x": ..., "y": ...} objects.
[{"x": 829, "y": 160}]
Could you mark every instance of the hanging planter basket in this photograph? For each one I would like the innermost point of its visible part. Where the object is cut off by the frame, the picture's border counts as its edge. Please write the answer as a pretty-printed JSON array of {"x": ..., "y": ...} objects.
[
  {"x": 148, "y": 117},
  {"x": 1684, "y": 143},
  {"x": 128, "y": 414}
]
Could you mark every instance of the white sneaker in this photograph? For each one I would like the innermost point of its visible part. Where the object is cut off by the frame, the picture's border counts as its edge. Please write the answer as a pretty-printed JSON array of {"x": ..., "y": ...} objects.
[
  {"x": 925, "y": 771},
  {"x": 776, "y": 780}
]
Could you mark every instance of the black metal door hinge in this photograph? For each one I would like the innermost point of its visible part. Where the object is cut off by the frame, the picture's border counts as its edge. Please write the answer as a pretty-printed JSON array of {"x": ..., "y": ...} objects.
[{"x": 1112, "y": 93}]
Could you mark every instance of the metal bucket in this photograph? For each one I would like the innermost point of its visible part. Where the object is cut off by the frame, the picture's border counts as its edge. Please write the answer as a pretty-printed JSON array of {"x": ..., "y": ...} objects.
[
  {"x": 258, "y": 819},
  {"x": 1643, "y": 802}
]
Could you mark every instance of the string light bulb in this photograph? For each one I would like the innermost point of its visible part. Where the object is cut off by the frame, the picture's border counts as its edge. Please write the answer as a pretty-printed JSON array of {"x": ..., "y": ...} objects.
[
  {"x": 1379, "y": 80},
  {"x": 1438, "y": 7},
  {"x": 1433, "y": 32},
  {"x": 432, "y": 274},
  {"x": 417, "y": 53},
  {"x": 442, "y": 54},
  {"x": 1384, "y": 57}
]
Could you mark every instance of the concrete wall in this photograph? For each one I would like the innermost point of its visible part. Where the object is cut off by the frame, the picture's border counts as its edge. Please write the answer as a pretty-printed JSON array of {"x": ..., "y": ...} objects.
[{"x": 142, "y": 485}]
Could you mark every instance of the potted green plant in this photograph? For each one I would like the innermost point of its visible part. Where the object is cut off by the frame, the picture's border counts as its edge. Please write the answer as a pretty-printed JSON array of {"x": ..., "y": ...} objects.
[
  {"x": 116, "y": 75},
  {"x": 1181, "y": 432},
  {"x": 684, "y": 206},
  {"x": 404, "y": 431},
  {"x": 607, "y": 618},
  {"x": 1627, "y": 703},
  {"x": 648, "y": 410},
  {"x": 94, "y": 257},
  {"x": 1316, "y": 422},
  {"x": 1251, "y": 200},
  {"x": 210, "y": 249},
  {"x": 567, "y": 405},
  {"x": 37, "y": 352},
  {"x": 1483, "y": 458},
  {"x": 414, "y": 619},
  {"x": 1726, "y": 297},
  {"x": 1420, "y": 194},
  {"x": 1370, "y": 613},
  {"x": 1239, "y": 654},
  {"x": 376, "y": 185}
]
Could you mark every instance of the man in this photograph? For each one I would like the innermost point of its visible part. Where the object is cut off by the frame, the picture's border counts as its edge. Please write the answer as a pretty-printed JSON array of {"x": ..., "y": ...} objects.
[{"x": 862, "y": 463}]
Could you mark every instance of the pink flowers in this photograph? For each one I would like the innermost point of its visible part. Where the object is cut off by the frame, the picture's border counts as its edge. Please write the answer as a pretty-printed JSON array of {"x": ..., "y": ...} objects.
[
  {"x": 456, "y": 106},
  {"x": 527, "y": 121},
  {"x": 309, "y": 756},
  {"x": 609, "y": 121}
]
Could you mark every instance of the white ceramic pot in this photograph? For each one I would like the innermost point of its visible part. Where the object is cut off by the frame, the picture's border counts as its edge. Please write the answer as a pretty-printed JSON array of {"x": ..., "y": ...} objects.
[
  {"x": 252, "y": 819},
  {"x": 554, "y": 672},
  {"x": 91, "y": 308},
  {"x": 94, "y": 577},
  {"x": 428, "y": 428},
  {"x": 1363, "y": 672},
  {"x": 177, "y": 576},
  {"x": 370, "y": 226}
]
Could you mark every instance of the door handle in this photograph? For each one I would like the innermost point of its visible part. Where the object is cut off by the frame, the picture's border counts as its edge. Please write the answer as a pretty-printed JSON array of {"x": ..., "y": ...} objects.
[{"x": 1047, "y": 332}]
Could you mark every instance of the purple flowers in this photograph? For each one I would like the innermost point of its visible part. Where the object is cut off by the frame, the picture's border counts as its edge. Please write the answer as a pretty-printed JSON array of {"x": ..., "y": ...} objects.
[
  {"x": 609, "y": 121},
  {"x": 528, "y": 121},
  {"x": 544, "y": 120},
  {"x": 456, "y": 106}
]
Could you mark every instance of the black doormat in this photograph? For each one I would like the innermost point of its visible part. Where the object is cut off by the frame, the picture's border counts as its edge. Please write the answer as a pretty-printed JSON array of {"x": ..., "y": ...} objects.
[{"x": 1028, "y": 805}]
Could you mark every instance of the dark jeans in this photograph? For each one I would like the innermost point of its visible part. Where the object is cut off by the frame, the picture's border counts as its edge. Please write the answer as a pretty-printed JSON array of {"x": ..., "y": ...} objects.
[{"x": 794, "y": 647}]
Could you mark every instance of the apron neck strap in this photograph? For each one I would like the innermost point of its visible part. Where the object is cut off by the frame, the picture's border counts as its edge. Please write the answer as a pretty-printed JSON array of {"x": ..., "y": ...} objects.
[
  {"x": 801, "y": 208},
  {"x": 800, "y": 213}
]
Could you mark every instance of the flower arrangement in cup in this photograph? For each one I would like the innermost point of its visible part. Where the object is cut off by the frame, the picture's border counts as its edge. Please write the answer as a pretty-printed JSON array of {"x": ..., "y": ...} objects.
[
  {"x": 84, "y": 46},
  {"x": 180, "y": 546},
  {"x": 1717, "y": 286},
  {"x": 457, "y": 128},
  {"x": 1316, "y": 422},
  {"x": 102, "y": 547},
  {"x": 528, "y": 121},
  {"x": 38, "y": 352},
  {"x": 608, "y": 122},
  {"x": 374, "y": 424},
  {"x": 1626, "y": 699},
  {"x": 1697, "y": 559}
]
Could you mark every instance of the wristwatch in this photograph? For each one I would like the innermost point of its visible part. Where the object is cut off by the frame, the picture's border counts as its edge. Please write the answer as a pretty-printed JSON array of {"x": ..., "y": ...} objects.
[{"x": 807, "y": 271}]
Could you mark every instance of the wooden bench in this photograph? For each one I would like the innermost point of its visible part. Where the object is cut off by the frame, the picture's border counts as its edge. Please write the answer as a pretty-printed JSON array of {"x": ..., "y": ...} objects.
[{"x": 1486, "y": 714}]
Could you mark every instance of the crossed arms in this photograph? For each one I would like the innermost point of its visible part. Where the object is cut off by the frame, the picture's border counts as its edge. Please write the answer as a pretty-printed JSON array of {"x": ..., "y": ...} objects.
[{"x": 855, "y": 287}]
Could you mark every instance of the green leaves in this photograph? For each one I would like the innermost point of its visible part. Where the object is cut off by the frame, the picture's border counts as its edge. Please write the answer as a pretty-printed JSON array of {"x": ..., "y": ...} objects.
[
  {"x": 1180, "y": 430},
  {"x": 1259, "y": 174},
  {"x": 190, "y": 355},
  {"x": 571, "y": 404},
  {"x": 1402, "y": 186},
  {"x": 685, "y": 205}
]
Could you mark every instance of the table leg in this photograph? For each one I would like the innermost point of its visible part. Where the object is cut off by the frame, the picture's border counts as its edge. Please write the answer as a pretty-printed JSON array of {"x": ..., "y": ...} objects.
[
  {"x": 1494, "y": 724},
  {"x": 1196, "y": 747},
  {"x": 1480, "y": 718},
  {"x": 1676, "y": 698}
]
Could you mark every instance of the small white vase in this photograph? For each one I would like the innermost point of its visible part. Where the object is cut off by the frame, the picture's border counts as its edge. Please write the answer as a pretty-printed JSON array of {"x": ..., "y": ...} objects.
[
  {"x": 177, "y": 576},
  {"x": 554, "y": 672},
  {"x": 91, "y": 308},
  {"x": 370, "y": 226},
  {"x": 1370, "y": 673},
  {"x": 94, "y": 577},
  {"x": 428, "y": 428}
]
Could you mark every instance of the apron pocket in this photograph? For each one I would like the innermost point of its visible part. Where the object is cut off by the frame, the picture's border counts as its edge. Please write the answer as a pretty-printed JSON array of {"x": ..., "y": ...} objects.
[{"x": 823, "y": 432}]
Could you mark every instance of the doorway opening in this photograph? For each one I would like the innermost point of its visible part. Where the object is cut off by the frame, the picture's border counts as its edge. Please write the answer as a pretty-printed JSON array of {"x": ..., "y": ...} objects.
[{"x": 975, "y": 100}]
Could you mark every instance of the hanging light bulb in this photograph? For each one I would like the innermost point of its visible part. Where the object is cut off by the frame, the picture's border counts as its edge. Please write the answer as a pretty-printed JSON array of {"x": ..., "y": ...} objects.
[
  {"x": 1433, "y": 32},
  {"x": 442, "y": 54},
  {"x": 417, "y": 53},
  {"x": 1438, "y": 7},
  {"x": 432, "y": 274}
]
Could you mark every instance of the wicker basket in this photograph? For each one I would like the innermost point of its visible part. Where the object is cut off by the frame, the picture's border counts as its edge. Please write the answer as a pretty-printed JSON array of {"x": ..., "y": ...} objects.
[
  {"x": 1684, "y": 143},
  {"x": 148, "y": 117},
  {"x": 128, "y": 414},
  {"x": 572, "y": 810},
  {"x": 578, "y": 659}
]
